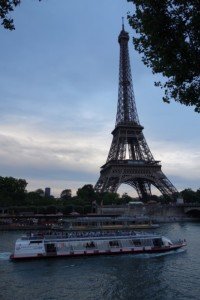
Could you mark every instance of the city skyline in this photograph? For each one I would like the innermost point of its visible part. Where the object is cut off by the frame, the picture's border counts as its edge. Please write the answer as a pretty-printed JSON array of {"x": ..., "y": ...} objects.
[{"x": 59, "y": 85}]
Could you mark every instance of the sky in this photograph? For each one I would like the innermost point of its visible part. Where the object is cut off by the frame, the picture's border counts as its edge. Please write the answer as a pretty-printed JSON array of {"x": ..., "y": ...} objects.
[{"x": 58, "y": 98}]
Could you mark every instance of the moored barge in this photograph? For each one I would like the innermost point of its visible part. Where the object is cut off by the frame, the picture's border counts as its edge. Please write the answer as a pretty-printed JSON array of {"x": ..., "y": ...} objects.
[{"x": 73, "y": 244}]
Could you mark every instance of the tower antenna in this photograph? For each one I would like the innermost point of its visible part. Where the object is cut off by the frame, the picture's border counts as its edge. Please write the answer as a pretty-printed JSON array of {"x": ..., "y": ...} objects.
[{"x": 122, "y": 23}]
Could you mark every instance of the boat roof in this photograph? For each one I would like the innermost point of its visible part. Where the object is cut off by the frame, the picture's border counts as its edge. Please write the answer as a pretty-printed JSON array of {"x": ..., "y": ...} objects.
[{"x": 79, "y": 236}]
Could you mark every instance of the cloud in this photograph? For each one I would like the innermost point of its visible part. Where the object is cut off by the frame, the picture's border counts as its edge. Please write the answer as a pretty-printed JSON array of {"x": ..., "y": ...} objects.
[
  {"x": 180, "y": 162},
  {"x": 178, "y": 159},
  {"x": 31, "y": 152},
  {"x": 74, "y": 157}
]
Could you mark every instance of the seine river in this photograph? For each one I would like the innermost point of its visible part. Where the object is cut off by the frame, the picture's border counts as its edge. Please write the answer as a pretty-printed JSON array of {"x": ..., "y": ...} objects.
[{"x": 127, "y": 277}]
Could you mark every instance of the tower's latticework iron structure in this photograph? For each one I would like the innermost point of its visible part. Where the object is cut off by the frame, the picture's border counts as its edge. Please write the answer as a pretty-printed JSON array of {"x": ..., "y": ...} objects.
[{"x": 130, "y": 160}]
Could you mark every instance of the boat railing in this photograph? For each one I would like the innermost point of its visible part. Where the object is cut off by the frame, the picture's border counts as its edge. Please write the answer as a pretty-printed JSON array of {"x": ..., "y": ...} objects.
[
  {"x": 89, "y": 235},
  {"x": 179, "y": 242}
]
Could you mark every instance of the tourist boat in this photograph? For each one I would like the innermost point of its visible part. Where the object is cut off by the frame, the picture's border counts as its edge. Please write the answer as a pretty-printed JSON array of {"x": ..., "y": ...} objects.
[{"x": 73, "y": 244}]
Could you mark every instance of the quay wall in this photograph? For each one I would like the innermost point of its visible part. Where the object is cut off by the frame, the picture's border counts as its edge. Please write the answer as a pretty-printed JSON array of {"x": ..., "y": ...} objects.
[{"x": 153, "y": 212}]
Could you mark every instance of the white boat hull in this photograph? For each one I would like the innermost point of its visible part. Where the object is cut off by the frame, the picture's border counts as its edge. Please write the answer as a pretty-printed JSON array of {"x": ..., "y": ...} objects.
[{"x": 32, "y": 248}]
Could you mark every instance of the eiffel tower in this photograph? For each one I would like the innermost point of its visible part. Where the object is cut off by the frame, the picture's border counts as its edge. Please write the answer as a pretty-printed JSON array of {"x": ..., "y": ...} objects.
[{"x": 130, "y": 160}]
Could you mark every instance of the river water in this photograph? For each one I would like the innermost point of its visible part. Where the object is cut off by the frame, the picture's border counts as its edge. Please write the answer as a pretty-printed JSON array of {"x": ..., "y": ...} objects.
[{"x": 127, "y": 277}]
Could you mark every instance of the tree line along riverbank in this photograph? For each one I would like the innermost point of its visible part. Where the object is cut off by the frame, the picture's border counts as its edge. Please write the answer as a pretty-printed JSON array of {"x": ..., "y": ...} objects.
[{"x": 15, "y": 199}]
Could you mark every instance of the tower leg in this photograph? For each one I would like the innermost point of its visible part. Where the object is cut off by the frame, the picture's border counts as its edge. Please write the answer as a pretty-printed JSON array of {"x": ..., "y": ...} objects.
[{"x": 142, "y": 187}]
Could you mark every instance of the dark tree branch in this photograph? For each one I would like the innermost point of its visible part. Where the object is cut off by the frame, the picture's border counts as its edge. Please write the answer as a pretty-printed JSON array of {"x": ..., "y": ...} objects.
[{"x": 6, "y": 7}]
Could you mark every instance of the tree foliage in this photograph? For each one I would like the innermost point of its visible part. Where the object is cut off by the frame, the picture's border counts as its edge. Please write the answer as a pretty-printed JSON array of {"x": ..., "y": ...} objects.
[
  {"x": 87, "y": 193},
  {"x": 12, "y": 190},
  {"x": 66, "y": 194},
  {"x": 168, "y": 37},
  {"x": 190, "y": 196},
  {"x": 40, "y": 192},
  {"x": 110, "y": 198},
  {"x": 38, "y": 198},
  {"x": 13, "y": 196},
  {"x": 6, "y": 7}
]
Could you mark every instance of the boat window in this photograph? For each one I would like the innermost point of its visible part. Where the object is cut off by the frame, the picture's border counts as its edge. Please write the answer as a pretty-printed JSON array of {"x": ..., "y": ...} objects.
[
  {"x": 35, "y": 242},
  {"x": 50, "y": 248},
  {"x": 137, "y": 242},
  {"x": 114, "y": 243},
  {"x": 90, "y": 245},
  {"x": 157, "y": 242},
  {"x": 146, "y": 242}
]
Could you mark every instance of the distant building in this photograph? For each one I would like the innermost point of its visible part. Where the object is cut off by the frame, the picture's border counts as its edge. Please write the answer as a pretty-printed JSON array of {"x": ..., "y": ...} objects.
[{"x": 47, "y": 192}]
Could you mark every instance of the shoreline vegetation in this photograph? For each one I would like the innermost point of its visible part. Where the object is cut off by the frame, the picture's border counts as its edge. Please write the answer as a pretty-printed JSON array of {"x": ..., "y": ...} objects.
[
  {"x": 15, "y": 199},
  {"x": 20, "y": 209}
]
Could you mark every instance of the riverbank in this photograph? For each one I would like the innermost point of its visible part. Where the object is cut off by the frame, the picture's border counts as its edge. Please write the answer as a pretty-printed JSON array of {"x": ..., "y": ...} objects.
[
  {"x": 174, "y": 219},
  {"x": 152, "y": 224}
]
